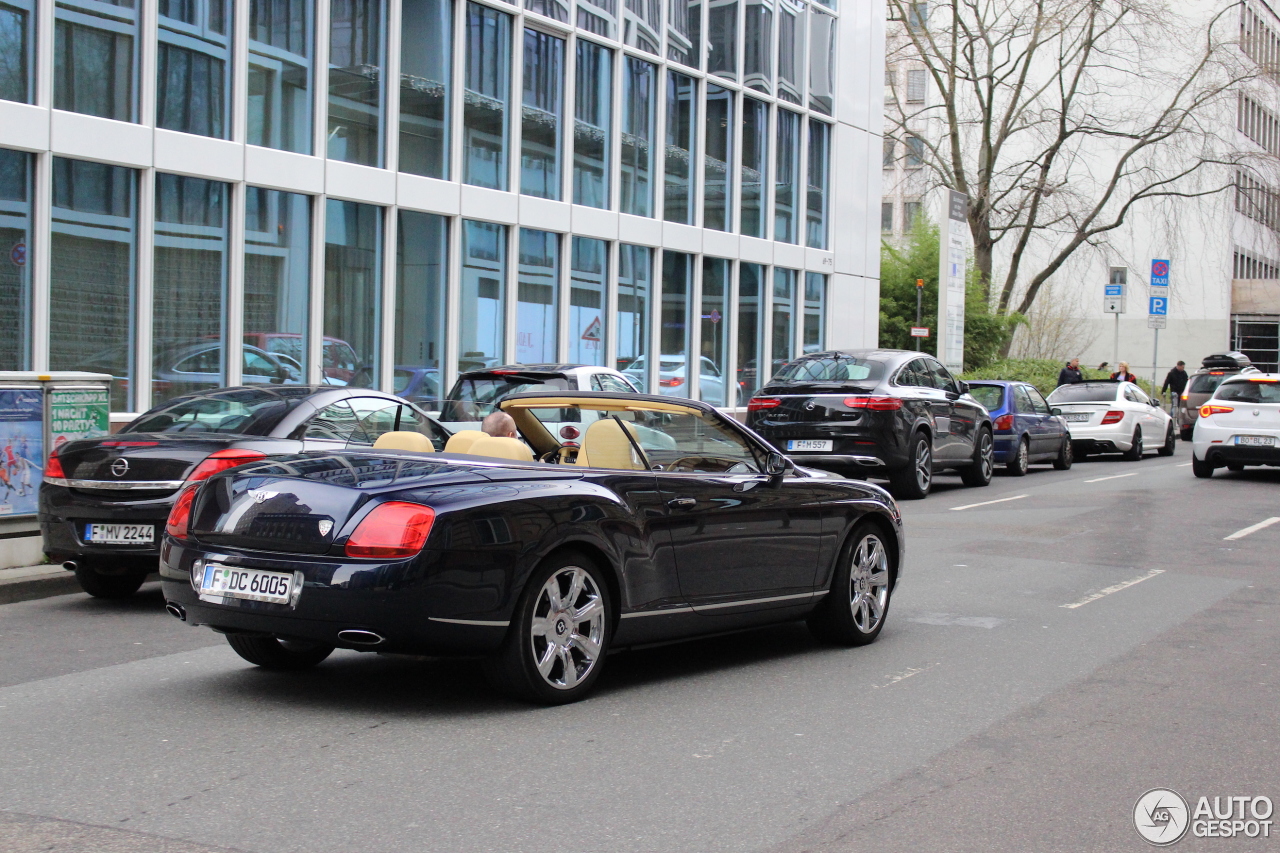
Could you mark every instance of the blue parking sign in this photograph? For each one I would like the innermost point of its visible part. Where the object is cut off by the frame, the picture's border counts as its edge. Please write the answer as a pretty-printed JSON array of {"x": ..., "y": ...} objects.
[
  {"x": 1159, "y": 273},
  {"x": 1159, "y": 305}
]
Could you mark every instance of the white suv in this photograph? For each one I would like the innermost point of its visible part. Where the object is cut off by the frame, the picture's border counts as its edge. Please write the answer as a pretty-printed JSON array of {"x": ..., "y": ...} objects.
[{"x": 1239, "y": 425}]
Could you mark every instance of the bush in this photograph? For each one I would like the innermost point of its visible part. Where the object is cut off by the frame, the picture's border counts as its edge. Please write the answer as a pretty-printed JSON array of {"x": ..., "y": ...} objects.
[{"x": 1040, "y": 372}]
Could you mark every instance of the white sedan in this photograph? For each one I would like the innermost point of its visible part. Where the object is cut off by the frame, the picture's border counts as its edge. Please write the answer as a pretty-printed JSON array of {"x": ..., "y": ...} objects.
[
  {"x": 1113, "y": 417},
  {"x": 1239, "y": 425}
]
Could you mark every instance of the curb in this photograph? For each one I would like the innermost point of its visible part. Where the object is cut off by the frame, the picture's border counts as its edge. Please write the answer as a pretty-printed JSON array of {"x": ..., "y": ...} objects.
[{"x": 40, "y": 586}]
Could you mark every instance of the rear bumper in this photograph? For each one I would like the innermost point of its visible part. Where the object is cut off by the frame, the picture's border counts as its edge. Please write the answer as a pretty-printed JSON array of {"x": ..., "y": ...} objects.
[
  {"x": 64, "y": 518},
  {"x": 1005, "y": 446}
]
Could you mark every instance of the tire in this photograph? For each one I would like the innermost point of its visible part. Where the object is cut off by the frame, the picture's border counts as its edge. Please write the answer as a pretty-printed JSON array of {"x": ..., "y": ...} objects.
[
  {"x": 913, "y": 482},
  {"x": 1170, "y": 445},
  {"x": 1202, "y": 469},
  {"x": 853, "y": 612},
  {"x": 108, "y": 586},
  {"x": 550, "y": 656},
  {"x": 1066, "y": 456},
  {"x": 979, "y": 472},
  {"x": 1134, "y": 453},
  {"x": 274, "y": 653},
  {"x": 1021, "y": 461},
  {"x": 1186, "y": 433}
]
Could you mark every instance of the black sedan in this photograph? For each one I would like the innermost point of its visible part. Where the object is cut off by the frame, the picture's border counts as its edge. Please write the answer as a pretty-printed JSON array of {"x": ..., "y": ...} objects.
[
  {"x": 882, "y": 413},
  {"x": 103, "y": 500},
  {"x": 667, "y": 520}
]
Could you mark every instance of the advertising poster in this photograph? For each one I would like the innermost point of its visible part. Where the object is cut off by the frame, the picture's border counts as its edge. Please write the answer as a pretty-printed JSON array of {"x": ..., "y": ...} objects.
[
  {"x": 21, "y": 449},
  {"x": 78, "y": 413}
]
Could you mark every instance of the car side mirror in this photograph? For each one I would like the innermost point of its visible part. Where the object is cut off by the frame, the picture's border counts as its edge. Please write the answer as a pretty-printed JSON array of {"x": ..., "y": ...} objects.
[
  {"x": 775, "y": 465},
  {"x": 964, "y": 386},
  {"x": 1055, "y": 411}
]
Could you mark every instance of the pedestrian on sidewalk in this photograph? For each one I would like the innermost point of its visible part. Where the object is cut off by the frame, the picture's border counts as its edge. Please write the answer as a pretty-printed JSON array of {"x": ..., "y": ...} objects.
[
  {"x": 1070, "y": 374},
  {"x": 1123, "y": 374},
  {"x": 1175, "y": 380}
]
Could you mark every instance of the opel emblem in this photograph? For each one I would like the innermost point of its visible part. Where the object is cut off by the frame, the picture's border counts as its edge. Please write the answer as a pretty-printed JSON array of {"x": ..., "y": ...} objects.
[
  {"x": 120, "y": 467},
  {"x": 325, "y": 526},
  {"x": 259, "y": 496}
]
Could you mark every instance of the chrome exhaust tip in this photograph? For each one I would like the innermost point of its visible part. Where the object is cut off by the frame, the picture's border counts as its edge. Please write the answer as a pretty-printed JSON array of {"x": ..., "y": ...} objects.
[
  {"x": 177, "y": 611},
  {"x": 71, "y": 565},
  {"x": 360, "y": 637}
]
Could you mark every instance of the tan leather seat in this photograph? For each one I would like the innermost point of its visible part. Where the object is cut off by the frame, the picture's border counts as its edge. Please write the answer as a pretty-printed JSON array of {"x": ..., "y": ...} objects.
[
  {"x": 461, "y": 441},
  {"x": 604, "y": 445},
  {"x": 502, "y": 448},
  {"x": 404, "y": 440}
]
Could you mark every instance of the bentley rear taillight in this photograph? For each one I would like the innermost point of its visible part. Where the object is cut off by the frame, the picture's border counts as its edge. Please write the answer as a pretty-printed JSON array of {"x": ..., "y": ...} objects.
[{"x": 393, "y": 530}]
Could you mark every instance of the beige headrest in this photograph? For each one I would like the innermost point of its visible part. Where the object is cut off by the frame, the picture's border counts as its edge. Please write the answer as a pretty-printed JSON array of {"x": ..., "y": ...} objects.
[
  {"x": 502, "y": 448},
  {"x": 404, "y": 440},
  {"x": 461, "y": 441},
  {"x": 606, "y": 446}
]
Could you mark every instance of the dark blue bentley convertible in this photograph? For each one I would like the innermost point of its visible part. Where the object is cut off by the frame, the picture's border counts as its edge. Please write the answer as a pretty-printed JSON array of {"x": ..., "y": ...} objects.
[{"x": 654, "y": 519}]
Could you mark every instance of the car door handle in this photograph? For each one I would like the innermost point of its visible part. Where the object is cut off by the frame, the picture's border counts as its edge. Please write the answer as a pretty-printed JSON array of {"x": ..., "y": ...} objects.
[{"x": 682, "y": 503}]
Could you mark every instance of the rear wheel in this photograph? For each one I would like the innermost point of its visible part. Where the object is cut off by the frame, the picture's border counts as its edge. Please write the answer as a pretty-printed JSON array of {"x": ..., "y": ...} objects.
[
  {"x": 275, "y": 653},
  {"x": 1065, "y": 456},
  {"x": 853, "y": 612},
  {"x": 1020, "y": 461},
  {"x": 1134, "y": 453},
  {"x": 1203, "y": 469},
  {"x": 1170, "y": 442},
  {"x": 108, "y": 586},
  {"x": 557, "y": 642},
  {"x": 913, "y": 482},
  {"x": 979, "y": 472}
]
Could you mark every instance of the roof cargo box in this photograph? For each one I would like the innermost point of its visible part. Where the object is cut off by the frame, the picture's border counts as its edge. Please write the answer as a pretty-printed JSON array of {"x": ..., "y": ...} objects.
[{"x": 1226, "y": 361}]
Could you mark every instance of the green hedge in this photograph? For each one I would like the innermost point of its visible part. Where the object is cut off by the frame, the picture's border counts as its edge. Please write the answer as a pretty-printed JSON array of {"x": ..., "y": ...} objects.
[{"x": 1040, "y": 372}]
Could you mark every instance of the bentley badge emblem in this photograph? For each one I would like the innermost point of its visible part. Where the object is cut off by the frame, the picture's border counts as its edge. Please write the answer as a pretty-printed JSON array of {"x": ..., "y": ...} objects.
[
  {"x": 325, "y": 526},
  {"x": 809, "y": 405},
  {"x": 120, "y": 467},
  {"x": 259, "y": 496}
]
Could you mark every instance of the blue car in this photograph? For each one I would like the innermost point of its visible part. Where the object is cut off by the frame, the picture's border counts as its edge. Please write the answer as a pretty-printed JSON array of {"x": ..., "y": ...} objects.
[{"x": 1027, "y": 429}]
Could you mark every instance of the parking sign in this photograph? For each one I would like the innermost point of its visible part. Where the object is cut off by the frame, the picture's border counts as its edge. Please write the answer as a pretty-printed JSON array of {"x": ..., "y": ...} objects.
[
  {"x": 1159, "y": 305},
  {"x": 1159, "y": 273}
]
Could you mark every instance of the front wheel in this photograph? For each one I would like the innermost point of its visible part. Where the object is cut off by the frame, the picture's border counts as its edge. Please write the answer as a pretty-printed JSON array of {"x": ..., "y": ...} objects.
[
  {"x": 854, "y": 611},
  {"x": 275, "y": 653},
  {"x": 979, "y": 472},
  {"x": 108, "y": 586},
  {"x": 1065, "y": 456},
  {"x": 557, "y": 642},
  {"x": 1134, "y": 453},
  {"x": 913, "y": 482},
  {"x": 1020, "y": 461},
  {"x": 1170, "y": 443},
  {"x": 1201, "y": 468}
]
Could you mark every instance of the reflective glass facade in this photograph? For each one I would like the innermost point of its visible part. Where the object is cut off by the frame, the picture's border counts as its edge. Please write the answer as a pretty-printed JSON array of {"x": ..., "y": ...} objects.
[{"x": 586, "y": 146}]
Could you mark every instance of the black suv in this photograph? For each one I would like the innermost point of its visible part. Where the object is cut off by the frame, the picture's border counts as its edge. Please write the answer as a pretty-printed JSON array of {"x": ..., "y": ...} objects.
[{"x": 886, "y": 413}]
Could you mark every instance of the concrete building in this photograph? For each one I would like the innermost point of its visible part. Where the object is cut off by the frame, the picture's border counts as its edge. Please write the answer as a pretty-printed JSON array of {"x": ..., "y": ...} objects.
[{"x": 384, "y": 192}]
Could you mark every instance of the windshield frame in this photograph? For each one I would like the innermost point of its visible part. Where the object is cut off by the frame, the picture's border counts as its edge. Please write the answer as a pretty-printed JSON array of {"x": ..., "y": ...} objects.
[{"x": 258, "y": 418}]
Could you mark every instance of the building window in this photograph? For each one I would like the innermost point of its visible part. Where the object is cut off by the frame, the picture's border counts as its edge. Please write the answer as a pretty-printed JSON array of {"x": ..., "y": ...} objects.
[
  {"x": 96, "y": 59},
  {"x": 193, "y": 76},
  {"x": 281, "y": 38},
  {"x": 822, "y": 61},
  {"x": 16, "y": 177},
  {"x": 537, "y": 302},
  {"x": 635, "y": 284},
  {"x": 673, "y": 336},
  {"x": 918, "y": 16},
  {"x": 599, "y": 17},
  {"x": 784, "y": 306},
  {"x": 353, "y": 290},
  {"x": 750, "y": 330},
  {"x": 1248, "y": 265},
  {"x": 488, "y": 85},
  {"x": 786, "y": 176},
  {"x": 426, "y": 63},
  {"x": 422, "y": 263},
  {"x": 890, "y": 153},
  {"x": 483, "y": 299},
  {"x": 915, "y": 85},
  {"x": 755, "y": 166},
  {"x": 682, "y": 117},
  {"x": 190, "y": 291},
  {"x": 639, "y": 120},
  {"x": 722, "y": 39},
  {"x": 819, "y": 182},
  {"x": 684, "y": 32},
  {"x": 589, "y": 276},
  {"x": 593, "y": 125},
  {"x": 542, "y": 116},
  {"x": 1258, "y": 123},
  {"x": 910, "y": 212},
  {"x": 886, "y": 217},
  {"x": 17, "y": 50},
  {"x": 757, "y": 49},
  {"x": 714, "y": 327},
  {"x": 357, "y": 45},
  {"x": 790, "y": 52},
  {"x": 555, "y": 9},
  {"x": 1257, "y": 200},
  {"x": 641, "y": 25},
  {"x": 277, "y": 277},
  {"x": 915, "y": 152},
  {"x": 717, "y": 176},
  {"x": 815, "y": 312},
  {"x": 93, "y": 273}
]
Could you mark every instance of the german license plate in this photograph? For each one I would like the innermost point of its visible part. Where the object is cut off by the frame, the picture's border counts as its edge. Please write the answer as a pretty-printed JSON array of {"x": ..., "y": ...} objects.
[
  {"x": 1076, "y": 418},
  {"x": 1256, "y": 440},
  {"x": 810, "y": 444},
  {"x": 219, "y": 581},
  {"x": 120, "y": 534}
]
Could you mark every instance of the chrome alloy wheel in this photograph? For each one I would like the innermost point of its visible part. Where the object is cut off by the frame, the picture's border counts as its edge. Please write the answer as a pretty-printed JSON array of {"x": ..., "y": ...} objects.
[
  {"x": 987, "y": 454},
  {"x": 566, "y": 632},
  {"x": 924, "y": 464},
  {"x": 869, "y": 583}
]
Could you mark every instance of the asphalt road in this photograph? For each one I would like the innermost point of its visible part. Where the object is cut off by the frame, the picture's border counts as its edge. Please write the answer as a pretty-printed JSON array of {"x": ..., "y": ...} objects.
[{"x": 1048, "y": 659}]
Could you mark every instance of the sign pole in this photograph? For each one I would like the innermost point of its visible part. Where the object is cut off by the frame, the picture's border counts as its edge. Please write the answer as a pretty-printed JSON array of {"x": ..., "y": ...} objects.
[
  {"x": 1115, "y": 348},
  {"x": 1155, "y": 359},
  {"x": 919, "y": 291}
]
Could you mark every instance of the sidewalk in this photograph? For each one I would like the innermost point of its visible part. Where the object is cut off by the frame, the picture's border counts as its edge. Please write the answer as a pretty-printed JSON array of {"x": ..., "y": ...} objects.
[{"x": 28, "y": 582}]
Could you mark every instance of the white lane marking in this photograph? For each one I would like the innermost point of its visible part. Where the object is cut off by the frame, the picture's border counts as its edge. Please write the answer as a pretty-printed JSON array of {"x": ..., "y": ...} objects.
[
  {"x": 1103, "y": 593},
  {"x": 1252, "y": 528},
  {"x": 1112, "y": 477},
  {"x": 1183, "y": 465},
  {"x": 989, "y": 503},
  {"x": 905, "y": 674}
]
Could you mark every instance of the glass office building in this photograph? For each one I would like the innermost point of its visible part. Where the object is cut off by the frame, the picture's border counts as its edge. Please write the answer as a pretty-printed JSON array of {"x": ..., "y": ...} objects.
[{"x": 214, "y": 192}]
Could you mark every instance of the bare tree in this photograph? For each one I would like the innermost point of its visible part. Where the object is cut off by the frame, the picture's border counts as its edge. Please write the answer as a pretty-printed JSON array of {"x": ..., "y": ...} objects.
[
  {"x": 1058, "y": 117},
  {"x": 1055, "y": 328}
]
